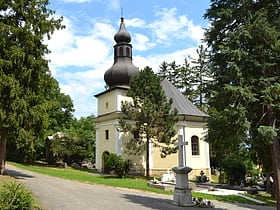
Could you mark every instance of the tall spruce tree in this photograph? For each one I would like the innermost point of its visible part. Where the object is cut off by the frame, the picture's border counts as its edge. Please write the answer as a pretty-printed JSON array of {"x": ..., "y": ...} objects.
[
  {"x": 244, "y": 38},
  {"x": 181, "y": 76},
  {"x": 202, "y": 76},
  {"x": 154, "y": 118},
  {"x": 24, "y": 74}
]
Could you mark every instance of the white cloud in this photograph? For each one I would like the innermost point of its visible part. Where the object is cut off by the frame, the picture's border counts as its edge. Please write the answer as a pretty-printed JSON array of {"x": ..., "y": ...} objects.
[
  {"x": 91, "y": 49},
  {"x": 142, "y": 42},
  {"x": 171, "y": 26},
  {"x": 114, "y": 5},
  {"x": 82, "y": 86},
  {"x": 155, "y": 60},
  {"x": 135, "y": 22}
]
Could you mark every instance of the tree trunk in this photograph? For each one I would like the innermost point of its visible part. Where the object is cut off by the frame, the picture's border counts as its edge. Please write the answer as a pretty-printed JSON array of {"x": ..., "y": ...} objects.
[
  {"x": 148, "y": 157},
  {"x": 276, "y": 170},
  {"x": 3, "y": 142},
  {"x": 275, "y": 152}
]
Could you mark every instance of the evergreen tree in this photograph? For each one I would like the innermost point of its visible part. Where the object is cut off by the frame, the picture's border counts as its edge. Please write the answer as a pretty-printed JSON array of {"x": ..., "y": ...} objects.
[
  {"x": 24, "y": 74},
  {"x": 152, "y": 114},
  {"x": 164, "y": 70},
  {"x": 181, "y": 76},
  {"x": 244, "y": 38},
  {"x": 202, "y": 76}
]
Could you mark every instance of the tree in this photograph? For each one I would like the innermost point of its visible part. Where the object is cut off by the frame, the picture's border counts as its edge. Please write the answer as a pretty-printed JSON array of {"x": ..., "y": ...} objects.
[
  {"x": 181, "y": 76},
  {"x": 202, "y": 77},
  {"x": 75, "y": 143},
  {"x": 153, "y": 117},
  {"x": 244, "y": 38},
  {"x": 24, "y": 74},
  {"x": 60, "y": 110}
]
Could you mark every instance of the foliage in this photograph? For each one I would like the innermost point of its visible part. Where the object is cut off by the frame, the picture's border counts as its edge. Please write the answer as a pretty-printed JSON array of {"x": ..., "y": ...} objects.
[
  {"x": 202, "y": 75},
  {"x": 191, "y": 78},
  {"x": 60, "y": 117},
  {"x": 25, "y": 78},
  {"x": 152, "y": 116},
  {"x": 244, "y": 60},
  {"x": 235, "y": 170},
  {"x": 117, "y": 165},
  {"x": 74, "y": 144},
  {"x": 14, "y": 195},
  {"x": 181, "y": 76},
  {"x": 61, "y": 109}
]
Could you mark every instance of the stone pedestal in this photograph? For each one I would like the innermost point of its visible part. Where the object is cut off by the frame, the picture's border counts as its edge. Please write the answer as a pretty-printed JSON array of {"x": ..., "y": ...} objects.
[{"x": 182, "y": 193}]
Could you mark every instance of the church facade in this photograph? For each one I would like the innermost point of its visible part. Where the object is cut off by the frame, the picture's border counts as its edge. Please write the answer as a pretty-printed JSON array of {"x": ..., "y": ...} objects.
[{"x": 191, "y": 126}]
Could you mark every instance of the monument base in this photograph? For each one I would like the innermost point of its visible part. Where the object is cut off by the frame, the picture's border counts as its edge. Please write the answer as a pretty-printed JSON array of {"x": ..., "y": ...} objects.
[{"x": 182, "y": 197}]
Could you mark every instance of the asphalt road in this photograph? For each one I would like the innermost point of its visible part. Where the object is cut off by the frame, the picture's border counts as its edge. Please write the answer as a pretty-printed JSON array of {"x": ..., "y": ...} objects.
[{"x": 59, "y": 194}]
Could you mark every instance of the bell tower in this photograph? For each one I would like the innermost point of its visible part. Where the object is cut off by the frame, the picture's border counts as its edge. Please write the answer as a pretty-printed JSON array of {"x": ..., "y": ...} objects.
[{"x": 108, "y": 138}]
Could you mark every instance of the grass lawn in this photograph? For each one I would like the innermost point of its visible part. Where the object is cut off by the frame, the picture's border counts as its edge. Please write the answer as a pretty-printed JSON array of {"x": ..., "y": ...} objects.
[
  {"x": 138, "y": 183},
  {"x": 265, "y": 197}
]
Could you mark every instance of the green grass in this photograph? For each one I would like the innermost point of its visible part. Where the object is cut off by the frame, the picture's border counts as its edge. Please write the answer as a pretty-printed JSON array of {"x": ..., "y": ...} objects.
[
  {"x": 265, "y": 197},
  {"x": 89, "y": 177},
  {"x": 138, "y": 183},
  {"x": 6, "y": 179},
  {"x": 215, "y": 178}
]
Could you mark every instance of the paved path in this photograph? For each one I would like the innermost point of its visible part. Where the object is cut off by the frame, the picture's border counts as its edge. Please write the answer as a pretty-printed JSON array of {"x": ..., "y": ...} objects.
[{"x": 60, "y": 194}]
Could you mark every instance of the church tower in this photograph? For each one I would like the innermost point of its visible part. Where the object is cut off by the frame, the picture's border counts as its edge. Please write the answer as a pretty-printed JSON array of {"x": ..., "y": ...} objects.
[{"x": 108, "y": 138}]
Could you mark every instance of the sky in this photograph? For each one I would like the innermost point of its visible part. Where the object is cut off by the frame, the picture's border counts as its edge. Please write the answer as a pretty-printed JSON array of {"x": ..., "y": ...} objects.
[{"x": 161, "y": 30}]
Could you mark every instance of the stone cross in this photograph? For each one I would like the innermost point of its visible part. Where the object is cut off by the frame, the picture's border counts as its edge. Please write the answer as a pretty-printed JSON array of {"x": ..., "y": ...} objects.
[
  {"x": 182, "y": 193},
  {"x": 182, "y": 151}
]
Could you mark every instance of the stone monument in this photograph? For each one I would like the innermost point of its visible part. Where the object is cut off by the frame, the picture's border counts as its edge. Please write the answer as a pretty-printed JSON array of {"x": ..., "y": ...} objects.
[{"x": 182, "y": 193}]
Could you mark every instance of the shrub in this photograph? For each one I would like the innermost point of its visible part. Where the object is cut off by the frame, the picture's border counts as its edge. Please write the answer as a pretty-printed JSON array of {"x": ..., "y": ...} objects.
[
  {"x": 235, "y": 170},
  {"x": 117, "y": 165},
  {"x": 14, "y": 195}
]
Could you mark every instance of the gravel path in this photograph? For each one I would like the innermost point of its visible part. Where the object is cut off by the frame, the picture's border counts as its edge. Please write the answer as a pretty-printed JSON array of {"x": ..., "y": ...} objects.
[{"x": 60, "y": 194}]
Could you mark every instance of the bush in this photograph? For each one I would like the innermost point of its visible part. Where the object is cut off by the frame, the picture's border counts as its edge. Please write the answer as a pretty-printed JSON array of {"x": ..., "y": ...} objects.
[
  {"x": 117, "y": 165},
  {"x": 14, "y": 195},
  {"x": 235, "y": 170}
]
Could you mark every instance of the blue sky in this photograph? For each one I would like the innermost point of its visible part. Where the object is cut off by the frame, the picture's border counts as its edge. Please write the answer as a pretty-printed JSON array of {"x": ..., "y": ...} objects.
[{"x": 161, "y": 30}]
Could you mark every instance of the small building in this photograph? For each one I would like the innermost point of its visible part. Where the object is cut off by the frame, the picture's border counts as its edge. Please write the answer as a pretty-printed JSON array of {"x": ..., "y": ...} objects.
[{"x": 109, "y": 139}]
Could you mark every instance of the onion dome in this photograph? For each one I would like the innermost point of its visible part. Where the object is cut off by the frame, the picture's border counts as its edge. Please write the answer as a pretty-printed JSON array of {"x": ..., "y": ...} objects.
[
  {"x": 123, "y": 69},
  {"x": 122, "y": 35}
]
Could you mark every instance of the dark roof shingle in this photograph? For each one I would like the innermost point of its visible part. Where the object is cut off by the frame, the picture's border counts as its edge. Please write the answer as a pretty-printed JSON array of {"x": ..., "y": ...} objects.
[{"x": 180, "y": 102}]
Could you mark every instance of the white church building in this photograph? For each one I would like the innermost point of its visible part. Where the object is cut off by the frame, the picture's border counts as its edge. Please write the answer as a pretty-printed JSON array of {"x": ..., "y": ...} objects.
[{"x": 191, "y": 125}]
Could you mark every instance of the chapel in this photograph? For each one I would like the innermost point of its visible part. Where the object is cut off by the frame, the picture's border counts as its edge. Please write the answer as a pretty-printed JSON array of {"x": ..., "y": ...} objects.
[{"x": 191, "y": 126}]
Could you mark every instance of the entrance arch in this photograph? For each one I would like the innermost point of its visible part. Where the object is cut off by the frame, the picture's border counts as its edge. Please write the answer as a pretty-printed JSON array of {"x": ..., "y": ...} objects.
[{"x": 105, "y": 169}]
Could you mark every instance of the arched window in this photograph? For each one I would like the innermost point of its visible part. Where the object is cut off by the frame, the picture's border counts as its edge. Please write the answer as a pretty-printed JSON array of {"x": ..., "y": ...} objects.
[
  {"x": 195, "y": 145},
  {"x": 121, "y": 51},
  {"x": 127, "y": 52}
]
